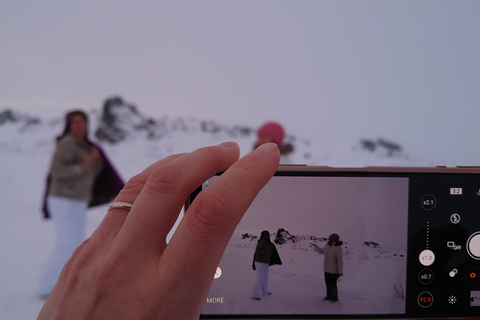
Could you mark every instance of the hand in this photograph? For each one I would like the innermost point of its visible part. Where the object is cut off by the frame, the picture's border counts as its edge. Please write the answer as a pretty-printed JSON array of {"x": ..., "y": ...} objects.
[
  {"x": 90, "y": 158},
  {"x": 95, "y": 152},
  {"x": 316, "y": 248},
  {"x": 127, "y": 271}
]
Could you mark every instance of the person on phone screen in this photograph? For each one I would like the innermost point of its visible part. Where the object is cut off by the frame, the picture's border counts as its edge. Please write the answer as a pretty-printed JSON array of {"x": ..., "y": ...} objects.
[
  {"x": 80, "y": 177},
  {"x": 332, "y": 264},
  {"x": 274, "y": 132},
  {"x": 265, "y": 255}
]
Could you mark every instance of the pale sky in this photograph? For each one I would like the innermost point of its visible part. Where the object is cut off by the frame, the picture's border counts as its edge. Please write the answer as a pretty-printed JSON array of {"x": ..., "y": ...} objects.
[
  {"x": 408, "y": 71},
  {"x": 358, "y": 208}
]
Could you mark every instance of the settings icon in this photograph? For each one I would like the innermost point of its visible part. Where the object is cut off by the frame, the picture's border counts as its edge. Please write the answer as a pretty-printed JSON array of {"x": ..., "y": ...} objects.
[{"x": 452, "y": 299}]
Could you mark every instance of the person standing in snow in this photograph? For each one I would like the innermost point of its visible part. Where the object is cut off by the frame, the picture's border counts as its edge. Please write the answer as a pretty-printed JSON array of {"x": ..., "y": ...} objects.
[
  {"x": 80, "y": 177},
  {"x": 266, "y": 254},
  {"x": 332, "y": 264},
  {"x": 274, "y": 132}
]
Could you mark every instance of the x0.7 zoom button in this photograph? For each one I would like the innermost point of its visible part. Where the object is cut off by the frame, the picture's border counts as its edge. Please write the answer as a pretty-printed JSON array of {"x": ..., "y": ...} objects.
[{"x": 426, "y": 276}]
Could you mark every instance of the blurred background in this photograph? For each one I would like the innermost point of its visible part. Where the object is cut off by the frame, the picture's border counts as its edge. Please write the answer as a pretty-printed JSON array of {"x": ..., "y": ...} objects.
[{"x": 352, "y": 83}]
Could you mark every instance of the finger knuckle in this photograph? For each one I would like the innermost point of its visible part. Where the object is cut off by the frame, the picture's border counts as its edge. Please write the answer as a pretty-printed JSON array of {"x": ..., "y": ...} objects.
[
  {"x": 106, "y": 269},
  {"x": 77, "y": 258},
  {"x": 210, "y": 213},
  {"x": 164, "y": 180},
  {"x": 135, "y": 184},
  {"x": 77, "y": 265}
]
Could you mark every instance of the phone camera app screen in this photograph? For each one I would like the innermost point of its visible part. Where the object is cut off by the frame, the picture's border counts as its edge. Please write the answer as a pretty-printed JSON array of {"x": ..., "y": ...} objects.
[{"x": 318, "y": 246}]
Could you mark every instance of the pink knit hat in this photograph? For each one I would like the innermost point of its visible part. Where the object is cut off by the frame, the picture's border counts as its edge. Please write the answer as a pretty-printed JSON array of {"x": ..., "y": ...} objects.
[
  {"x": 334, "y": 237},
  {"x": 272, "y": 130}
]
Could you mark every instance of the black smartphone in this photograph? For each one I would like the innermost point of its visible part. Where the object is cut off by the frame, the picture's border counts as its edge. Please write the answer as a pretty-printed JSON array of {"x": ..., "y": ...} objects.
[{"x": 406, "y": 244}]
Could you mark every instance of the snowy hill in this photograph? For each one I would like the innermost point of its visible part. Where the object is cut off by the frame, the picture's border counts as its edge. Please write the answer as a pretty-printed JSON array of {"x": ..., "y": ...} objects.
[
  {"x": 132, "y": 141},
  {"x": 119, "y": 125}
]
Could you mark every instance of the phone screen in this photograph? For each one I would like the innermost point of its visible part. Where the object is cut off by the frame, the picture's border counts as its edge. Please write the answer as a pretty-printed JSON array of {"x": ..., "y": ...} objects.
[{"x": 408, "y": 245}]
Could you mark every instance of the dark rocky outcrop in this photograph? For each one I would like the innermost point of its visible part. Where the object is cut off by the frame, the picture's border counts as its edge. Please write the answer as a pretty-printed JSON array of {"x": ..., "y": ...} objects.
[
  {"x": 381, "y": 146},
  {"x": 119, "y": 120}
]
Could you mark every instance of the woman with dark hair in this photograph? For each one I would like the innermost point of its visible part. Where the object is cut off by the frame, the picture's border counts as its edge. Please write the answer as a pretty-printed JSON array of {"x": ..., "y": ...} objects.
[
  {"x": 80, "y": 177},
  {"x": 332, "y": 264},
  {"x": 265, "y": 255}
]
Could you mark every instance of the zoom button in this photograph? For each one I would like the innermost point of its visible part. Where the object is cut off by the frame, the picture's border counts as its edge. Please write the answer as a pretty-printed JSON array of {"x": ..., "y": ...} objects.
[
  {"x": 428, "y": 202},
  {"x": 426, "y": 276}
]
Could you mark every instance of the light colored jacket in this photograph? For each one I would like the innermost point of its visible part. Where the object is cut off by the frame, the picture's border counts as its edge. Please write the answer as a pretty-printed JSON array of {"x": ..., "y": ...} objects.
[
  {"x": 69, "y": 180},
  {"x": 333, "y": 261}
]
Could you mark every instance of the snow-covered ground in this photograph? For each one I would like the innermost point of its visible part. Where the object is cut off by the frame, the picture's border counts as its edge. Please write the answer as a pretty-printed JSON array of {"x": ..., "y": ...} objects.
[
  {"x": 298, "y": 285},
  {"x": 26, "y": 239}
]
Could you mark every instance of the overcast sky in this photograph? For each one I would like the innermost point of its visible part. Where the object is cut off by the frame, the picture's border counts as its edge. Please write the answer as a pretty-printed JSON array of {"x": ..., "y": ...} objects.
[
  {"x": 357, "y": 208},
  {"x": 408, "y": 71}
]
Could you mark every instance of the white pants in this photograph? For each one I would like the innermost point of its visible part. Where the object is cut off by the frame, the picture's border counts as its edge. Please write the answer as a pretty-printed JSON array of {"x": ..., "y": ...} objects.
[
  {"x": 69, "y": 217},
  {"x": 261, "y": 284}
]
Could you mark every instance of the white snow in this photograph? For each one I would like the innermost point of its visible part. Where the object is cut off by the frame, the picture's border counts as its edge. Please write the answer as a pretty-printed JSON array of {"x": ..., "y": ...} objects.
[
  {"x": 26, "y": 239},
  {"x": 298, "y": 286}
]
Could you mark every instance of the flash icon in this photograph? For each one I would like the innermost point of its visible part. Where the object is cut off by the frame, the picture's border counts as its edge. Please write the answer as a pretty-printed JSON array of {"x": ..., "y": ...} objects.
[{"x": 455, "y": 218}]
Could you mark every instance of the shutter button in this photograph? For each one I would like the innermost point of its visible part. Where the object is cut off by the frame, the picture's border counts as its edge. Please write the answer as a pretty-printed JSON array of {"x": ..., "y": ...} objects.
[{"x": 473, "y": 245}]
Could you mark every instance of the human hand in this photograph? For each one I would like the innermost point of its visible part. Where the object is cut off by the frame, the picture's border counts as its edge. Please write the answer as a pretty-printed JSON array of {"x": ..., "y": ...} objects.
[
  {"x": 95, "y": 152},
  {"x": 90, "y": 158},
  {"x": 126, "y": 270}
]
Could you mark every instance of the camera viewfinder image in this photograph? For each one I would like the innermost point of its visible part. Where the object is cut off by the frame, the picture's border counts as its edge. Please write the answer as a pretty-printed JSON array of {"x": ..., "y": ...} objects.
[
  {"x": 475, "y": 299},
  {"x": 303, "y": 222}
]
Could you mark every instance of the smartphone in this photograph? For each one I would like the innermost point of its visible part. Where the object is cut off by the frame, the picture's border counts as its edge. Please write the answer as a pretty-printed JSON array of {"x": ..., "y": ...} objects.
[{"x": 409, "y": 243}]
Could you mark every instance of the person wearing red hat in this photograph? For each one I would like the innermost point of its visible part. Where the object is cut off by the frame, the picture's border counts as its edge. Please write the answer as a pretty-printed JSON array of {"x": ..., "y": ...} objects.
[
  {"x": 274, "y": 132},
  {"x": 332, "y": 264}
]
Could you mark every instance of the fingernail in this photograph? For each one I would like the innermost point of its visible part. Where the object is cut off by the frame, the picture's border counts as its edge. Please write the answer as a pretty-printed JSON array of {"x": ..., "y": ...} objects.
[
  {"x": 265, "y": 149},
  {"x": 229, "y": 144}
]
